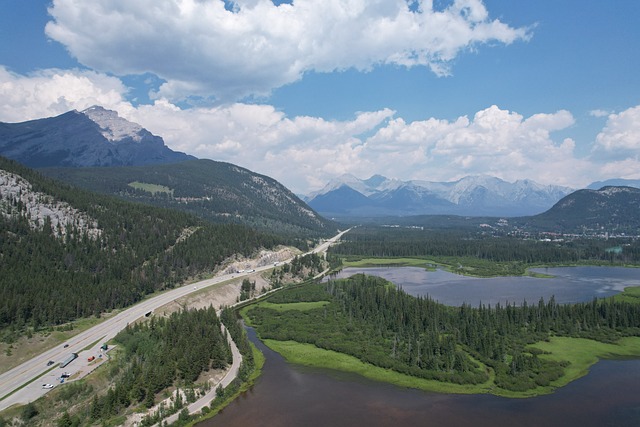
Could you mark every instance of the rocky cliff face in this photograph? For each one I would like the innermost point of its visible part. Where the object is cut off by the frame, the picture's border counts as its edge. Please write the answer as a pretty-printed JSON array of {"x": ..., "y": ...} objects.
[
  {"x": 93, "y": 137},
  {"x": 17, "y": 199}
]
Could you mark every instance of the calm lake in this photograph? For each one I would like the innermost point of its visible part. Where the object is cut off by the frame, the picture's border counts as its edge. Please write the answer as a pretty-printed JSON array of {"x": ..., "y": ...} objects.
[
  {"x": 569, "y": 284},
  {"x": 293, "y": 395}
]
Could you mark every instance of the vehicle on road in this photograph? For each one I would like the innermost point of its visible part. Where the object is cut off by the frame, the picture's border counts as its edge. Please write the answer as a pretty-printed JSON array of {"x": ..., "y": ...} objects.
[
  {"x": 91, "y": 359},
  {"x": 68, "y": 360},
  {"x": 47, "y": 385},
  {"x": 66, "y": 345},
  {"x": 50, "y": 362}
]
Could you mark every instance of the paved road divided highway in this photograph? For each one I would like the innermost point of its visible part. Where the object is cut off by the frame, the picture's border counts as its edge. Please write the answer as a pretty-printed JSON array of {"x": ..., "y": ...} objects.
[{"x": 24, "y": 383}]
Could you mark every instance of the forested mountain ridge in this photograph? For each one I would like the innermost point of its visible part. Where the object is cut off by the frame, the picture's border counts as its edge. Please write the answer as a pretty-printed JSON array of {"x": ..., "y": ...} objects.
[
  {"x": 216, "y": 191},
  {"x": 67, "y": 253},
  {"x": 610, "y": 209},
  {"x": 95, "y": 140}
]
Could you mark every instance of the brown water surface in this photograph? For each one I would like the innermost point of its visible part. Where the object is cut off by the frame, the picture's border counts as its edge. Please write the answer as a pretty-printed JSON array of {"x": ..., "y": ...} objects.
[{"x": 292, "y": 395}]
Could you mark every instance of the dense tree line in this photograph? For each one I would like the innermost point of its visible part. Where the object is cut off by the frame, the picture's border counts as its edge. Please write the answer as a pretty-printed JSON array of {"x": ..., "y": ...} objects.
[
  {"x": 46, "y": 280},
  {"x": 373, "y": 320},
  {"x": 414, "y": 242},
  {"x": 161, "y": 353}
]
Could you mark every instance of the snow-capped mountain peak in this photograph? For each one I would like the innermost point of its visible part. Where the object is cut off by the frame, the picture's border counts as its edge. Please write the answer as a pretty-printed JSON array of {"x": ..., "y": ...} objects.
[
  {"x": 113, "y": 127},
  {"x": 471, "y": 195},
  {"x": 93, "y": 137}
]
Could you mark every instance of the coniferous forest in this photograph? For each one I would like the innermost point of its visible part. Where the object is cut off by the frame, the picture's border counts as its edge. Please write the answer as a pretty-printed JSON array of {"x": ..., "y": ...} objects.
[
  {"x": 47, "y": 280},
  {"x": 369, "y": 241},
  {"x": 374, "y": 321},
  {"x": 153, "y": 359}
]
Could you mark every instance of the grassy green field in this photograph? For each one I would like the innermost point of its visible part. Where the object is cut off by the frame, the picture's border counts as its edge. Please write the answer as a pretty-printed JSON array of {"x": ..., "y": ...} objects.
[
  {"x": 151, "y": 188},
  {"x": 583, "y": 353},
  {"x": 310, "y": 355},
  {"x": 300, "y": 306},
  {"x": 391, "y": 262},
  {"x": 630, "y": 294}
]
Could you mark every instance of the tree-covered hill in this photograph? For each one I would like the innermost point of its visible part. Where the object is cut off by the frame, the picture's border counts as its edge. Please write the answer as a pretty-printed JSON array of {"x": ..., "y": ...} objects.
[
  {"x": 611, "y": 209},
  {"x": 67, "y": 253},
  {"x": 216, "y": 191}
]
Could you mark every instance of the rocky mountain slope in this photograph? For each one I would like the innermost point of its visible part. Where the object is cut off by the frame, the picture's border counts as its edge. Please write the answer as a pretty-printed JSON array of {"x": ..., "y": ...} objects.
[
  {"x": 67, "y": 253},
  {"x": 472, "y": 195},
  {"x": 101, "y": 151},
  {"x": 93, "y": 137},
  {"x": 216, "y": 191}
]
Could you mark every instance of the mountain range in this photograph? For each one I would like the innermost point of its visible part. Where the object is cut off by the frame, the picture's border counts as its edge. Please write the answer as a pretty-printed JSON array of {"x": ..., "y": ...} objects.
[
  {"x": 98, "y": 150},
  {"x": 216, "y": 191},
  {"x": 348, "y": 196}
]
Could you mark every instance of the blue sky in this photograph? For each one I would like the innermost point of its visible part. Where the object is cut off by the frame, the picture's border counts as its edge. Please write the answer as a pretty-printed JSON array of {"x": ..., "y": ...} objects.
[{"x": 304, "y": 92}]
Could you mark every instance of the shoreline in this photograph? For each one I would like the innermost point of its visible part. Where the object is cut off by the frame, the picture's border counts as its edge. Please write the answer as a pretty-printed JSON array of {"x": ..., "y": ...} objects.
[
  {"x": 431, "y": 264},
  {"x": 580, "y": 353},
  {"x": 584, "y": 354}
]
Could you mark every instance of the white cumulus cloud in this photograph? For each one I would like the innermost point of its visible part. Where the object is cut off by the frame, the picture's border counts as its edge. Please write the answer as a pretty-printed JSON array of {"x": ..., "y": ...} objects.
[
  {"x": 305, "y": 152},
  {"x": 51, "y": 92},
  {"x": 495, "y": 142},
  {"x": 200, "y": 48},
  {"x": 620, "y": 137}
]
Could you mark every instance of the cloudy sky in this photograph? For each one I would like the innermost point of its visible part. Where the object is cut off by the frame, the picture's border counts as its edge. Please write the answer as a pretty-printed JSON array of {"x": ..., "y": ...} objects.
[{"x": 308, "y": 90}]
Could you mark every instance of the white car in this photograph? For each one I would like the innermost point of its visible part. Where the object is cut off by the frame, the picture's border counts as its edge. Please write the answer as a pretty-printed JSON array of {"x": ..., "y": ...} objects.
[{"x": 47, "y": 385}]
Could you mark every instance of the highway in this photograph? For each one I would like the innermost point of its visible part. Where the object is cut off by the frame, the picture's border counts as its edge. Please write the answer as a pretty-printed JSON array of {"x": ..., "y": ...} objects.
[{"x": 23, "y": 383}]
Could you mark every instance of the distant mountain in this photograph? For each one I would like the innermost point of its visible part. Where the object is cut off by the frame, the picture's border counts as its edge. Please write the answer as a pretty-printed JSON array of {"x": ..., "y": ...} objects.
[
  {"x": 472, "y": 195},
  {"x": 615, "y": 183},
  {"x": 216, "y": 191},
  {"x": 93, "y": 137},
  {"x": 611, "y": 209}
]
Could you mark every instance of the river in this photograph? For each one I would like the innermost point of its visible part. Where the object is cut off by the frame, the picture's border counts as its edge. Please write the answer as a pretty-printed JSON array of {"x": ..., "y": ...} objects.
[{"x": 293, "y": 395}]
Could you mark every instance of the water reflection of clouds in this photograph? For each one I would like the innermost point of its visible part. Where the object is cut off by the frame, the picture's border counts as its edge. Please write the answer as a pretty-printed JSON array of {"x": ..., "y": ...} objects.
[{"x": 569, "y": 284}]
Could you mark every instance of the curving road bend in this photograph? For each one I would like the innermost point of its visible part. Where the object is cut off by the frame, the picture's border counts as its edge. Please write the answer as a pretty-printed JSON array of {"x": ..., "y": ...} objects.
[{"x": 23, "y": 383}]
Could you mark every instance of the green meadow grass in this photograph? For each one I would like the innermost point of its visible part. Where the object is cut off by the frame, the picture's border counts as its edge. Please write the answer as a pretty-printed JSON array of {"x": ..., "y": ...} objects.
[{"x": 151, "y": 188}]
